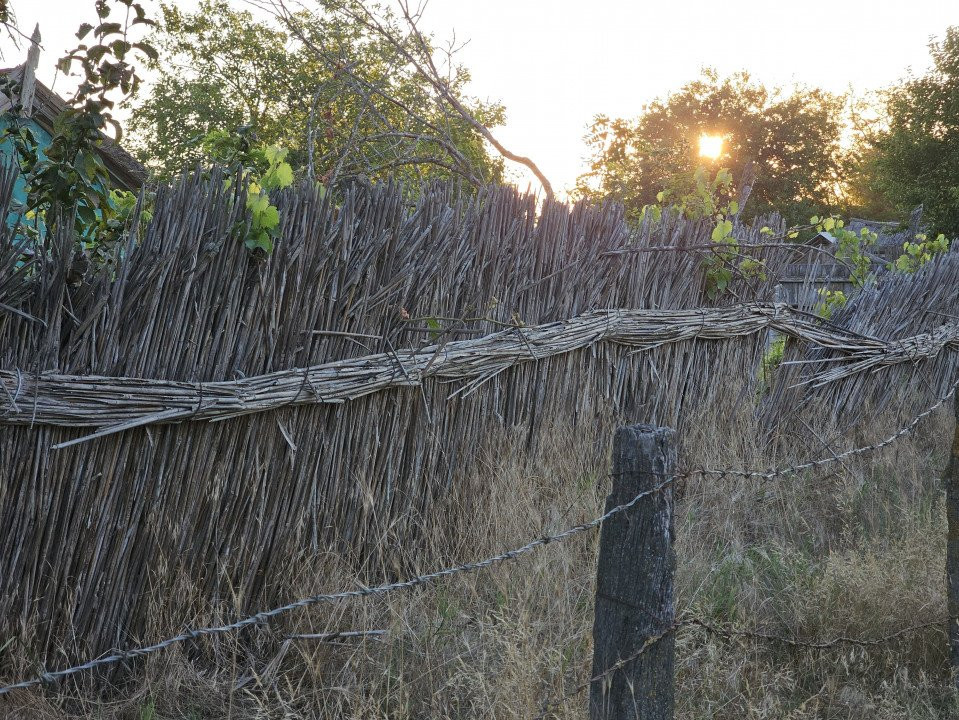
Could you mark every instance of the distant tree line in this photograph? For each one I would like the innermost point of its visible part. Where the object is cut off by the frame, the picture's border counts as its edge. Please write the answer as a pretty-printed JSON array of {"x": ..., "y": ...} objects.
[{"x": 904, "y": 150}]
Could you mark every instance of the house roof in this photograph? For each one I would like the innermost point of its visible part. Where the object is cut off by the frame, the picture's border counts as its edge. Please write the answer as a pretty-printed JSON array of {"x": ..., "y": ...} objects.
[
  {"x": 125, "y": 171},
  {"x": 824, "y": 238}
]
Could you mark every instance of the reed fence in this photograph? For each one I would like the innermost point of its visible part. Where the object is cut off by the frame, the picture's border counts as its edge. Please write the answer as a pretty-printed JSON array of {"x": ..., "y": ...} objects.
[{"x": 381, "y": 301}]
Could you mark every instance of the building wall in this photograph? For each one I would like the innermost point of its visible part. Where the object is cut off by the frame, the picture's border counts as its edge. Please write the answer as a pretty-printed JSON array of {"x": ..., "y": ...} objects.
[{"x": 8, "y": 154}]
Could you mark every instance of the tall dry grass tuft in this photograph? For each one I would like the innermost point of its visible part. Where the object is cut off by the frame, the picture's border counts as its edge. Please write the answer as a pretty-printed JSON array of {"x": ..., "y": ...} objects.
[{"x": 855, "y": 550}]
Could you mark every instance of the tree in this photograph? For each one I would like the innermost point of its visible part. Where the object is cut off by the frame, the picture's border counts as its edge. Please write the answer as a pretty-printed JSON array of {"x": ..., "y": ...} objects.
[
  {"x": 236, "y": 87},
  {"x": 915, "y": 158},
  {"x": 863, "y": 194},
  {"x": 417, "y": 62},
  {"x": 351, "y": 111},
  {"x": 791, "y": 139}
]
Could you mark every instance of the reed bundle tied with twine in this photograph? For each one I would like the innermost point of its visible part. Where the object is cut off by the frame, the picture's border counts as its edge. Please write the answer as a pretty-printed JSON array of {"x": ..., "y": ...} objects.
[{"x": 115, "y": 404}]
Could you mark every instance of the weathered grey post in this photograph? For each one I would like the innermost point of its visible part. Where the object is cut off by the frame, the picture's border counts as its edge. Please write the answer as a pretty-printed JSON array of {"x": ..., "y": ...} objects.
[
  {"x": 952, "y": 548},
  {"x": 634, "y": 583}
]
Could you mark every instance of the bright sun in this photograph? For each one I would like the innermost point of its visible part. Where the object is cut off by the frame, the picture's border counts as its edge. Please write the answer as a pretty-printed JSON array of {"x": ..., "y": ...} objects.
[{"x": 710, "y": 146}]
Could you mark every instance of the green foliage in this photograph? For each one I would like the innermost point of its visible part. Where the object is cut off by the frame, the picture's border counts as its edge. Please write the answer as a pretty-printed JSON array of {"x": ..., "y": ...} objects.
[
  {"x": 851, "y": 248},
  {"x": 263, "y": 168},
  {"x": 917, "y": 254},
  {"x": 69, "y": 175},
  {"x": 711, "y": 198},
  {"x": 792, "y": 140},
  {"x": 264, "y": 221},
  {"x": 278, "y": 172},
  {"x": 223, "y": 68},
  {"x": 703, "y": 197},
  {"x": 862, "y": 187},
  {"x": 771, "y": 360},
  {"x": 774, "y": 569},
  {"x": 829, "y": 302},
  {"x": 915, "y": 160},
  {"x": 101, "y": 243},
  {"x": 148, "y": 711}
]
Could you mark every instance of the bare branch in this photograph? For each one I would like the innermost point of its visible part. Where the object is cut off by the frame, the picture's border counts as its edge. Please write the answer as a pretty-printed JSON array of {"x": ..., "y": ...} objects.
[
  {"x": 427, "y": 69},
  {"x": 419, "y": 58},
  {"x": 368, "y": 92}
]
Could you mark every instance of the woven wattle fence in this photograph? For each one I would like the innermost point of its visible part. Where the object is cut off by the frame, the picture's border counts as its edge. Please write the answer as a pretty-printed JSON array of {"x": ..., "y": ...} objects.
[{"x": 258, "y": 410}]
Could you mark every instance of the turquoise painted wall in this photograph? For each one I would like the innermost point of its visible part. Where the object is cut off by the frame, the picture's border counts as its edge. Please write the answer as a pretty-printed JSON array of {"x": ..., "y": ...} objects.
[{"x": 8, "y": 155}]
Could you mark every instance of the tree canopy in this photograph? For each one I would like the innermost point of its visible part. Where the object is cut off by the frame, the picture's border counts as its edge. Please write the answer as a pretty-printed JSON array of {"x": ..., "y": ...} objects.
[
  {"x": 332, "y": 92},
  {"x": 914, "y": 159},
  {"x": 792, "y": 139}
]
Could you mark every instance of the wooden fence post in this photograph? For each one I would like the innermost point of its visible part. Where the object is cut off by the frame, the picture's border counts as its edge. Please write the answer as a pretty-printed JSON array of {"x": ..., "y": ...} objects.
[
  {"x": 634, "y": 583},
  {"x": 952, "y": 548}
]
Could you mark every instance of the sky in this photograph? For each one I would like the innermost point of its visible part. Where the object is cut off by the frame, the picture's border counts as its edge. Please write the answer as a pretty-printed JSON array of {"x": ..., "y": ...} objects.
[{"x": 554, "y": 64}]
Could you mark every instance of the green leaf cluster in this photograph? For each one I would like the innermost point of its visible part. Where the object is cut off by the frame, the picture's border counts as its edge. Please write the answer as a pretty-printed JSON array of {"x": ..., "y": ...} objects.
[
  {"x": 771, "y": 361},
  {"x": 263, "y": 169},
  {"x": 706, "y": 196},
  {"x": 852, "y": 248},
  {"x": 829, "y": 302},
  {"x": 69, "y": 175},
  {"x": 711, "y": 197},
  {"x": 916, "y": 254}
]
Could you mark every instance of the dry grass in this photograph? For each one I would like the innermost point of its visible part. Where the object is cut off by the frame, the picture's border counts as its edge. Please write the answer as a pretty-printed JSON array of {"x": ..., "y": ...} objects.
[{"x": 859, "y": 551}]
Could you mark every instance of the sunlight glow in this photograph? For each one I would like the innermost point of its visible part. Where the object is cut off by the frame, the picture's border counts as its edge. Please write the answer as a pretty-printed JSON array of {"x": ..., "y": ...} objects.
[{"x": 710, "y": 146}]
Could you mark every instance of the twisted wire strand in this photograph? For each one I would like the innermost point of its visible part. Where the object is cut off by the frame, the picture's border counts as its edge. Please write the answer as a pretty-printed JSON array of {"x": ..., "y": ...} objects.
[
  {"x": 416, "y": 581},
  {"x": 262, "y": 617},
  {"x": 839, "y": 457},
  {"x": 730, "y": 633},
  {"x": 618, "y": 665}
]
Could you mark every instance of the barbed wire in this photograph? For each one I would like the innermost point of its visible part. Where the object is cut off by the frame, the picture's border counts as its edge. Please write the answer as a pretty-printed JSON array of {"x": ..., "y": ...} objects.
[
  {"x": 837, "y": 457},
  {"x": 618, "y": 665},
  {"x": 729, "y": 633},
  {"x": 262, "y": 617}
]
